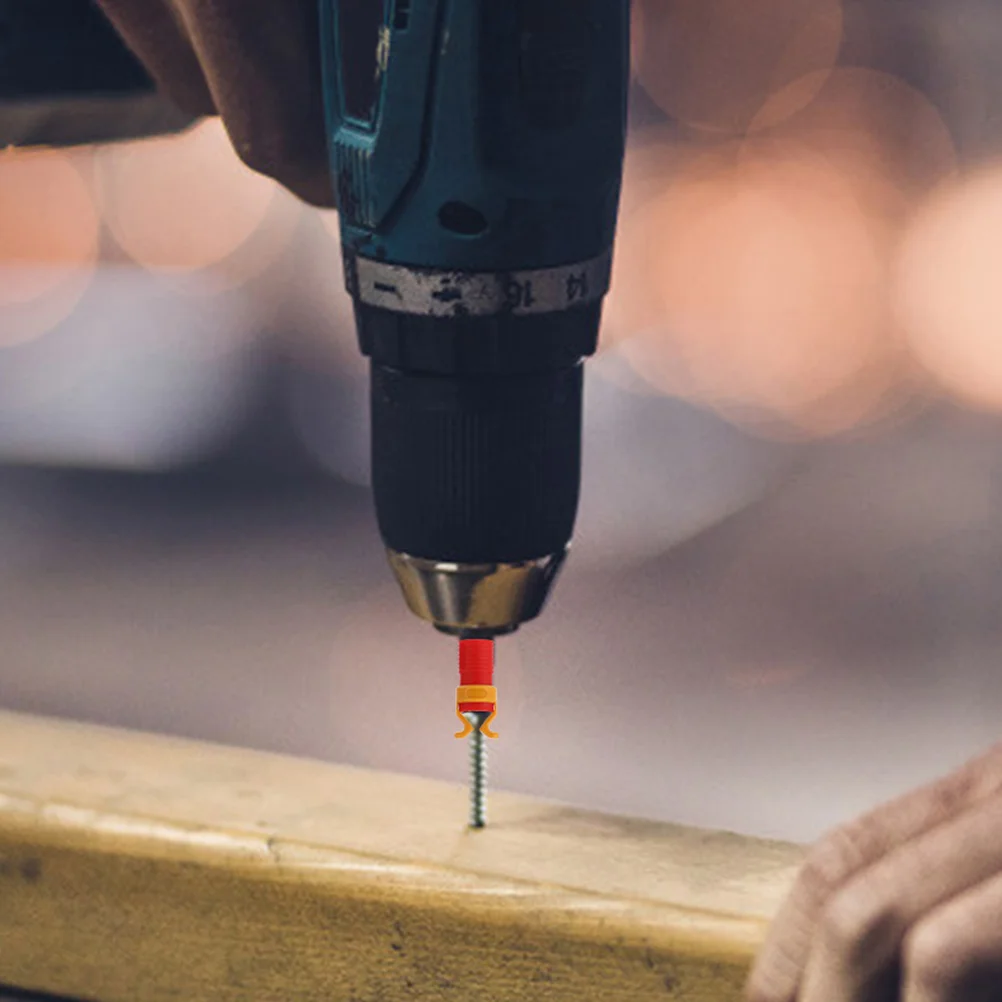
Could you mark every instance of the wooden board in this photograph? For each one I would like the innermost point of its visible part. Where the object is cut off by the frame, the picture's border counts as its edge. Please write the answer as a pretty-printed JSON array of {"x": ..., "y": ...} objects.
[{"x": 137, "y": 868}]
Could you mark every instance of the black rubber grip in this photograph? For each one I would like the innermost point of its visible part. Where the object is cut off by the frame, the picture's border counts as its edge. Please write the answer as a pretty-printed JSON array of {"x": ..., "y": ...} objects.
[
  {"x": 498, "y": 345},
  {"x": 476, "y": 469}
]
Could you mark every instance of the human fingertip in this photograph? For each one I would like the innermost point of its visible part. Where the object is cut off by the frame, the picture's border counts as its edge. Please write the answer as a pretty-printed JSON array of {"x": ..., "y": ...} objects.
[
  {"x": 775, "y": 974},
  {"x": 754, "y": 990}
]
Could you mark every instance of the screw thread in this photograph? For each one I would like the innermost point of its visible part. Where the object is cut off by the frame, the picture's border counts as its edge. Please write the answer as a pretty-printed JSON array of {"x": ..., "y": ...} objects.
[{"x": 478, "y": 775}]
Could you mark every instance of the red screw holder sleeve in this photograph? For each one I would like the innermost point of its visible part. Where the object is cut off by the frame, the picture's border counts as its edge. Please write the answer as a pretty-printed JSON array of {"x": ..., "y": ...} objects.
[{"x": 476, "y": 692}]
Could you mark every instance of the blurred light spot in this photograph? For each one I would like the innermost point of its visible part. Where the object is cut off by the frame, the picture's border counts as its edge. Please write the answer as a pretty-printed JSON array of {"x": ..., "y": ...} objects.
[
  {"x": 770, "y": 282},
  {"x": 948, "y": 293},
  {"x": 658, "y": 470},
  {"x": 713, "y": 64},
  {"x": 329, "y": 411},
  {"x": 328, "y": 381},
  {"x": 652, "y": 161},
  {"x": 126, "y": 381},
  {"x": 753, "y": 276},
  {"x": 331, "y": 327},
  {"x": 186, "y": 202},
  {"x": 48, "y": 216},
  {"x": 886, "y": 138},
  {"x": 48, "y": 241}
]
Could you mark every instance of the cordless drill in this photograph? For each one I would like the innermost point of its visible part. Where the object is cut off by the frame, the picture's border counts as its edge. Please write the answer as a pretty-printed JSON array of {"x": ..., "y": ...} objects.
[{"x": 477, "y": 150}]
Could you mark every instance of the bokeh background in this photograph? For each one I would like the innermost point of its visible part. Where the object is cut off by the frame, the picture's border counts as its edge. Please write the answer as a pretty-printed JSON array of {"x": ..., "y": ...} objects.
[{"x": 783, "y": 603}]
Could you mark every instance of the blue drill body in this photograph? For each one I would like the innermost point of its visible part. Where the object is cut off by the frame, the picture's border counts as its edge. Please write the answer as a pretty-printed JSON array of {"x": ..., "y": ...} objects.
[{"x": 513, "y": 110}]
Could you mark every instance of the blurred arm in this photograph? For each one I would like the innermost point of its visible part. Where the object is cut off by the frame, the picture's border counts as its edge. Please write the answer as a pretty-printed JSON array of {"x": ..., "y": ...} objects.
[{"x": 67, "y": 78}]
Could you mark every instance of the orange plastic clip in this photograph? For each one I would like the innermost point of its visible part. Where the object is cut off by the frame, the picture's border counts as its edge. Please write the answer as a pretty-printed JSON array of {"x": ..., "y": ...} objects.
[{"x": 476, "y": 699}]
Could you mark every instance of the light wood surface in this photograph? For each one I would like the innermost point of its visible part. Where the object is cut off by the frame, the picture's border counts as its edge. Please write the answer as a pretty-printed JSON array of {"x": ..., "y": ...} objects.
[{"x": 135, "y": 867}]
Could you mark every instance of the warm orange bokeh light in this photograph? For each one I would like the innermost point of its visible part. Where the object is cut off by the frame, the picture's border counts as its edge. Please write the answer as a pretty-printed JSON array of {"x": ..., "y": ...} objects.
[
  {"x": 713, "y": 64},
  {"x": 186, "y": 202},
  {"x": 50, "y": 225},
  {"x": 948, "y": 294},
  {"x": 653, "y": 159},
  {"x": 753, "y": 275},
  {"x": 48, "y": 241},
  {"x": 887, "y": 139},
  {"x": 769, "y": 281}
]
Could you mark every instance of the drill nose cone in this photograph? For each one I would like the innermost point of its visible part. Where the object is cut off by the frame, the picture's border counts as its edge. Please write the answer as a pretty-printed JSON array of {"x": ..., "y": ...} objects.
[{"x": 462, "y": 598}]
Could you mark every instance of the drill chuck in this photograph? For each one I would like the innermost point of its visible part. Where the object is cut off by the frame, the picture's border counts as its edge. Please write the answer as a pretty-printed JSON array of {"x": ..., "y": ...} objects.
[
  {"x": 476, "y": 469},
  {"x": 476, "y": 458}
]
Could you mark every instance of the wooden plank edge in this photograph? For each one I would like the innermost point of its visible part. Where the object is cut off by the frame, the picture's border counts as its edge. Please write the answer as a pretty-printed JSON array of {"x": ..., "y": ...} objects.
[{"x": 106, "y": 904}]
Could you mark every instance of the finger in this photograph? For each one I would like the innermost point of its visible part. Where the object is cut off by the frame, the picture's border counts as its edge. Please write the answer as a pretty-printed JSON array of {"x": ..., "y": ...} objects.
[
  {"x": 955, "y": 954},
  {"x": 859, "y": 940},
  {"x": 778, "y": 970},
  {"x": 154, "y": 34},
  {"x": 261, "y": 61}
]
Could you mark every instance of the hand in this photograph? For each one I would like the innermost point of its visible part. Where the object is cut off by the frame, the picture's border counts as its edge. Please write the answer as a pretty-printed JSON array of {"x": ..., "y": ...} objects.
[
  {"x": 255, "y": 63},
  {"x": 903, "y": 904}
]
